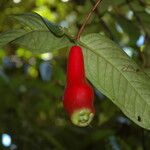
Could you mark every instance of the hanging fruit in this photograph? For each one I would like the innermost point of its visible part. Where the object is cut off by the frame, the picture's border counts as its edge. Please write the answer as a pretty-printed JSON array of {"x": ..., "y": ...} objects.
[{"x": 78, "y": 96}]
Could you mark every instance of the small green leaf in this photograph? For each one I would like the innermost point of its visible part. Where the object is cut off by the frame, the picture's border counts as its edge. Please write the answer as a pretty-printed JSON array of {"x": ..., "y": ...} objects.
[{"x": 118, "y": 77}]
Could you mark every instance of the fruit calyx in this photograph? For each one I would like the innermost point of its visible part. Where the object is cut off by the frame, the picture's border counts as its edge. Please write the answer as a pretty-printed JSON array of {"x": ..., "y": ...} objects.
[{"x": 82, "y": 117}]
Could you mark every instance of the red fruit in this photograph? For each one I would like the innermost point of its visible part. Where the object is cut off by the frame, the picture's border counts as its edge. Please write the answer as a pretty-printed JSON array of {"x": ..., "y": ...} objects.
[{"x": 78, "y": 96}]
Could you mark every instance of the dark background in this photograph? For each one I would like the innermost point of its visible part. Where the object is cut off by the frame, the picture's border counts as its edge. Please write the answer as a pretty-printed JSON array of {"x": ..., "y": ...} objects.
[{"x": 31, "y": 86}]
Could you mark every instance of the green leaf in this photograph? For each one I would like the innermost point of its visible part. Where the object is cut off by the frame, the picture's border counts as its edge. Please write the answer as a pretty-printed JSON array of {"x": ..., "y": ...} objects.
[
  {"x": 118, "y": 77},
  {"x": 39, "y": 35}
]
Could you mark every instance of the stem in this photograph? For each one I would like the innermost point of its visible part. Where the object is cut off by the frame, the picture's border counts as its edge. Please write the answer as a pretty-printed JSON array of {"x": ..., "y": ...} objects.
[{"x": 87, "y": 19}]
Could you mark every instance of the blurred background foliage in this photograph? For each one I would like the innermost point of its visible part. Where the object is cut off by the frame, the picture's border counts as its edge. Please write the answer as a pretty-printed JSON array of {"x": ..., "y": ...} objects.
[{"x": 31, "y": 85}]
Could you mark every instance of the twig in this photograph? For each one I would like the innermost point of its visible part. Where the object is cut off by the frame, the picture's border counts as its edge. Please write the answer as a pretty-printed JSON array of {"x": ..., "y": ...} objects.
[{"x": 87, "y": 19}]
